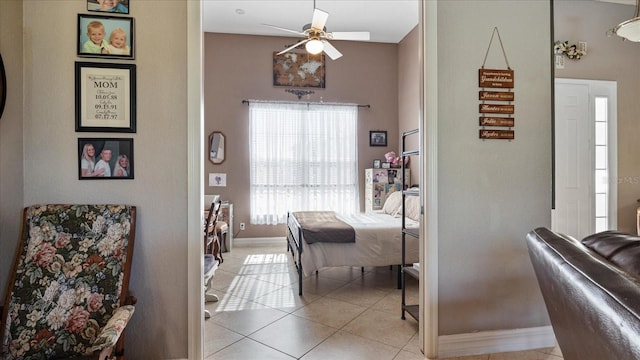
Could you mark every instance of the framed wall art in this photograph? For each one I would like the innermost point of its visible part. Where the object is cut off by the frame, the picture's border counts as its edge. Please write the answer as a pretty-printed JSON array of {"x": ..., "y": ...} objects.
[
  {"x": 109, "y": 6},
  {"x": 299, "y": 69},
  {"x": 377, "y": 138},
  {"x": 105, "y": 158},
  {"x": 105, "y": 36},
  {"x": 105, "y": 97}
]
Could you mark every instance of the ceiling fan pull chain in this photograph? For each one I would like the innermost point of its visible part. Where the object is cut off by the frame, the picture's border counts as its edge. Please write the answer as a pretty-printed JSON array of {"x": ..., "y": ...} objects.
[{"x": 495, "y": 30}]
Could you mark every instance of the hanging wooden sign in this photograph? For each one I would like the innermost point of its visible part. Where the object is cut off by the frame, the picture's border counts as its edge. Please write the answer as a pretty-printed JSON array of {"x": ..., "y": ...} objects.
[
  {"x": 500, "y": 102},
  {"x": 496, "y": 109},
  {"x": 495, "y": 78},
  {"x": 497, "y": 121},
  {"x": 496, "y": 95},
  {"x": 497, "y": 134}
]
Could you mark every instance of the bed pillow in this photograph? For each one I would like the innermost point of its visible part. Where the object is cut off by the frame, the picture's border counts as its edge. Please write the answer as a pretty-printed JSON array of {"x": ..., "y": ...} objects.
[
  {"x": 393, "y": 203},
  {"x": 412, "y": 207}
]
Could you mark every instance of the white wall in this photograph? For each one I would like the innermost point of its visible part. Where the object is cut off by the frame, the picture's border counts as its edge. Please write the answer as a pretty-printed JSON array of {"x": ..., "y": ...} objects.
[
  {"x": 158, "y": 330},
  {"x": 491, "y": 193}
]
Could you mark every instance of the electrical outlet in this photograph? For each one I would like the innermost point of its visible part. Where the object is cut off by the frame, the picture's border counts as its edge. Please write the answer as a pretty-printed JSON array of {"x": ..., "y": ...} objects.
[{"x": 242, "y": 226}]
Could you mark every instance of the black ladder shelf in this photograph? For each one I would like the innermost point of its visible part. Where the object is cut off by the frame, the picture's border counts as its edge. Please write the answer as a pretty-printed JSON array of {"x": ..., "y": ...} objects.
[{"x": 408, "y": 269}]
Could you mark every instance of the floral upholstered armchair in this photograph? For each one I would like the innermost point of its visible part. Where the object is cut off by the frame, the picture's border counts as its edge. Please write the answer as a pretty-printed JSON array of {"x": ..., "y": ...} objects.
[{"x": 67, "y": 295}]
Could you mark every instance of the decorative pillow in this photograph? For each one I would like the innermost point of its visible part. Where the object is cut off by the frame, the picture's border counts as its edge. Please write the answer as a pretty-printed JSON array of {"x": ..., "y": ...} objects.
[
  {"x": 412, "y": 207},
  {"x": 393, "y": 204}
]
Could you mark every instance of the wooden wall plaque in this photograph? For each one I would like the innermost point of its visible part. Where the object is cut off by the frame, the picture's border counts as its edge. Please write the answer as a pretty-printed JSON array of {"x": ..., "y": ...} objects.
[
  {"x": 497, "y": 134},
  {"x": 495, "y": 78},
  {"x": 497, "y": 121},
  {"x": 496, "y": 95},
  {"x": 496, "y": 109}
]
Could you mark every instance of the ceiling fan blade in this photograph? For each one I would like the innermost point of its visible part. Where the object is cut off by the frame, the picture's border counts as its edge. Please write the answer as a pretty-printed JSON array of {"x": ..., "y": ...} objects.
[
  {"x": 349, "y": 35},
  {"x": 285, "y": 29},
  {"x": 331, "y": 51},
  {"x": 319, "y": 19},
  {"x": 293, "y": 46}
]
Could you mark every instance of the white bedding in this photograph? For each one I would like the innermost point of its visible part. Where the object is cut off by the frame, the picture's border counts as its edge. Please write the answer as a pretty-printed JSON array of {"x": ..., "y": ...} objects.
[{"x": 378, "y": 243}]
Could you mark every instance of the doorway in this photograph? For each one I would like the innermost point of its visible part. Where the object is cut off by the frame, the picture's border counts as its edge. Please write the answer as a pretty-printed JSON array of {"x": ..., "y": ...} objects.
[{"x": 585, "y": 157}]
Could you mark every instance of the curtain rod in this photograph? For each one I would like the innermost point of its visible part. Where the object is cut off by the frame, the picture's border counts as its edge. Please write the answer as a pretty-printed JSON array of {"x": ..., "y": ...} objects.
[{"x": 305, "y": 103}]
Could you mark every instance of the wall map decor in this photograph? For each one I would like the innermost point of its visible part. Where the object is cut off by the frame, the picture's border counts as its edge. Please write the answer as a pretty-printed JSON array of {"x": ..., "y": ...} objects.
[
  {"x": 298, "y": 70},
  {"x": 496, "y": 106}
]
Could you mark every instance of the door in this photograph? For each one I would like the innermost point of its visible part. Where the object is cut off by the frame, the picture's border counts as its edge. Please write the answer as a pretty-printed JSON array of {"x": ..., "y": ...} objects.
[{"x": 585, "y": 157}]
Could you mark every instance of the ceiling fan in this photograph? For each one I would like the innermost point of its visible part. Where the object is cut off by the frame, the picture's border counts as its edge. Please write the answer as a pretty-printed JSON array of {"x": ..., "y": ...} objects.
[{"x": 317, "y": 37}]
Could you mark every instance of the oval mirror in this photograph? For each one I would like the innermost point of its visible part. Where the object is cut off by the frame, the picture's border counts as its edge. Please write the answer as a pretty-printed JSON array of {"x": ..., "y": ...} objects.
[{"x": 216, "y": 147}]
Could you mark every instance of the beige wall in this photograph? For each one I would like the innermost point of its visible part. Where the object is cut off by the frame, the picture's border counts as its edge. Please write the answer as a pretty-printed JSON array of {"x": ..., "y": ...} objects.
[
  {"x": 239, "y": 67},
  {"x": 11, "y": 155},
  {"x": 608, "y": 58},
  {"x": 491, "y": 193},
  {"x": 158, "y": 330}
]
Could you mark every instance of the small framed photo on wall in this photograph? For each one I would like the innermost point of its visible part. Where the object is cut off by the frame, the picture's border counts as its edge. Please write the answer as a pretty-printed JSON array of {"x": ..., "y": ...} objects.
[
  {"x": 105, "y": 36},
  {"x": 377, "y": 138},
  {"x": 109, "y": 6},
  {"x": 105, "y": 158}
]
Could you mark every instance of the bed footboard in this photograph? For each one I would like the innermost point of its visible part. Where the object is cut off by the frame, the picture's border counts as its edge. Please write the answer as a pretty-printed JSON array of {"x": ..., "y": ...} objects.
[{"x": 294, "y": 244}]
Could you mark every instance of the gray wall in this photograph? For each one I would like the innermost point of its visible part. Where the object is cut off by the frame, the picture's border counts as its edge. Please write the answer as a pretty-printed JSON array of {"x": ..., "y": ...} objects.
[
  {"x": 11, "y": 155},
  {"x": 608, "y": 58},
  {"x": 44, "y": 119},
  {"x": 491, "y": 193}
]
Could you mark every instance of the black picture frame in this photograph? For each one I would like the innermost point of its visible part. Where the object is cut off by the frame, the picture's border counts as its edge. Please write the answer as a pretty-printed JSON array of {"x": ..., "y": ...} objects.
[
  {"x": 119, "y": 147},
  {"x": 107, "y": 25},
  {"x": 105, "y": 97},
  {"x": 377, "y": 164},
  {"x": 119, "y": 7},
  {"x": 3, "y": 87},
  {"x": 377, "y": 138}
]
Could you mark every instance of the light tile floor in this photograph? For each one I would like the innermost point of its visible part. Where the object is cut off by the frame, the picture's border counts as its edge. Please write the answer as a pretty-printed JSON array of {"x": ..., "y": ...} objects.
[{"x": 343, "y": 314}]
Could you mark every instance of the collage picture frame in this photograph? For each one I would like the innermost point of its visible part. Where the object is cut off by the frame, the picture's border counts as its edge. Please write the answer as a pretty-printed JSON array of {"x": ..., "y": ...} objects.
[{"x": 105, "y": 93}]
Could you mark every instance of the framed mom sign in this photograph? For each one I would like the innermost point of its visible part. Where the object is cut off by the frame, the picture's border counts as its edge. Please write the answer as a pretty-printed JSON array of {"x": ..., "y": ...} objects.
[{"x": 105, "y": 97}]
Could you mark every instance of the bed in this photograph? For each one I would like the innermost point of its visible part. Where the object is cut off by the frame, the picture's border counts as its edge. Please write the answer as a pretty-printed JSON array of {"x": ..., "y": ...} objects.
[{"x": 376, "y": 239}]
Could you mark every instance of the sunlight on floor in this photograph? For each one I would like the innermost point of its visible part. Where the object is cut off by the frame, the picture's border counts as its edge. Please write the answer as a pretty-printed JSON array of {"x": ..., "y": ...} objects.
[{"x": 243, "y": 287}]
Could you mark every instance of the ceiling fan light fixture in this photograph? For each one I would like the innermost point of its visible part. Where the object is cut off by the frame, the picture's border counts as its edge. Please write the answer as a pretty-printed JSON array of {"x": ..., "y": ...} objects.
[
  {"x": 629, "y": 30},
  {"x": 314, "y": 46}
]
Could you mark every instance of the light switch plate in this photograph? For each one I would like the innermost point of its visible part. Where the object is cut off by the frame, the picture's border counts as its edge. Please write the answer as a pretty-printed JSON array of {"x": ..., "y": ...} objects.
[{"x": 559, "y": 62}]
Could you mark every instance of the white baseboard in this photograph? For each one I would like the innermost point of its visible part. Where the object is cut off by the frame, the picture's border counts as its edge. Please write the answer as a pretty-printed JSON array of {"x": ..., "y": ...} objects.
[
  {"x": 259, "y": 241},
  {"x": 488, "y": 342}
]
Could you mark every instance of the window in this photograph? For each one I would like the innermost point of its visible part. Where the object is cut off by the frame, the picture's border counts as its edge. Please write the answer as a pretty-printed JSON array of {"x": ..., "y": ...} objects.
[
  {"x": 302, "y": 157},
  {"x": 601, "y": 164}
]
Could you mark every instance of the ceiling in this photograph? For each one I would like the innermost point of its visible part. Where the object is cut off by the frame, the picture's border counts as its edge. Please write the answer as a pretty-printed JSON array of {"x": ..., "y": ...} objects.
[{"x": 388, "y": 21}]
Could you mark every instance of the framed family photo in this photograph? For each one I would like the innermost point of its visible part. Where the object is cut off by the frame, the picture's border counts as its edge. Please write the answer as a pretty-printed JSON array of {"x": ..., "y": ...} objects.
[
  {"x": 109, "y": 6},
  {"x": 105, "y": 36},
  {"x": 377, "y": 138},
  {"x": 105, "y": 97},
  {"x": 105, "y": 158}
]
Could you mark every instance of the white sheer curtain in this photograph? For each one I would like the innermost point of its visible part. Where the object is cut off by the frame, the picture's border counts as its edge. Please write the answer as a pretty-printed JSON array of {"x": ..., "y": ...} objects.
[{"x": 302, "y": 157}]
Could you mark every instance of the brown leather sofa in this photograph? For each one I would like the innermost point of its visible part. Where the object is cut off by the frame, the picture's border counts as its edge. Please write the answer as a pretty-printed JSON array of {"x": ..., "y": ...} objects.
[{"x": 591, "y": 289}]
